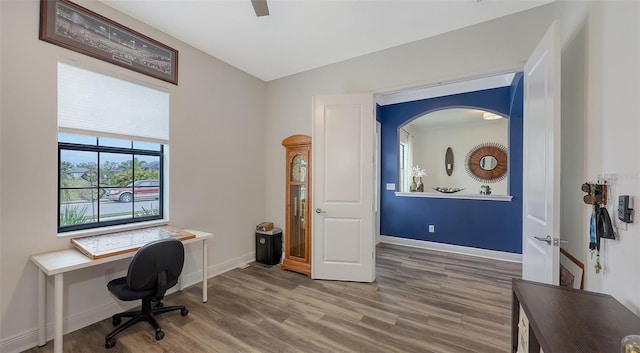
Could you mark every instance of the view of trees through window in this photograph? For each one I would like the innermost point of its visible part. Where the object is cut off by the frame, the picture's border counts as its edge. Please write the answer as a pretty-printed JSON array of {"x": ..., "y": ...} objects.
[{"x": 106, "y": 181}]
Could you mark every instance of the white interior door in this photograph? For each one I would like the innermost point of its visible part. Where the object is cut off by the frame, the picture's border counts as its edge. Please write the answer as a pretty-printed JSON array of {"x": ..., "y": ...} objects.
[
  {"x": 541, "y": 164},
  {"x": 343, "y": 177}
]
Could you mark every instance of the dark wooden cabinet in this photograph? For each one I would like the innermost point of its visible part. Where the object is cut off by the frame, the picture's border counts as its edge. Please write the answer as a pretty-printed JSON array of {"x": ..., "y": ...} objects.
[
  {"x": 565, "y": 320},
  {"x": 297, "y": 235}
]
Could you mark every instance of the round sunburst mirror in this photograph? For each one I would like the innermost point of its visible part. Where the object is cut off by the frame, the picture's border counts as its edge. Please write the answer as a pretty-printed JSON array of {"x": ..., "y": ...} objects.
[{"x": 487, "y": 162}]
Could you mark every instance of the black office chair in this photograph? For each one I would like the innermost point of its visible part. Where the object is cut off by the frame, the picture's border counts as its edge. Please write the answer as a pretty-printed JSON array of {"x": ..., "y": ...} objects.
[{"x": 154, "y": 269}]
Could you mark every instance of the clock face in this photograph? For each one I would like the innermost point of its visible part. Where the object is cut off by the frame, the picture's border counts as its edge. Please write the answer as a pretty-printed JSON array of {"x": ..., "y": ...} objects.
[{"x": 298, "y": 169}]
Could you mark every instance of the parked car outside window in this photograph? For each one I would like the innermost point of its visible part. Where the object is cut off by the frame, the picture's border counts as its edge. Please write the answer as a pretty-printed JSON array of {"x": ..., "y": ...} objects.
[{"x": 140, "y": 189}]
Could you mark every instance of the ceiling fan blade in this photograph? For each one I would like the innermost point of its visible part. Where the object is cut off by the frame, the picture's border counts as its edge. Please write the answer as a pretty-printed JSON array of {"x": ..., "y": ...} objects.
[{"x": 261, "y": 8}]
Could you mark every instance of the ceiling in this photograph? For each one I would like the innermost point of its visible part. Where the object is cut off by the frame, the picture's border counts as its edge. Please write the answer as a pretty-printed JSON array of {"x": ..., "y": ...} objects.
[{"x": 300, "y": 35}]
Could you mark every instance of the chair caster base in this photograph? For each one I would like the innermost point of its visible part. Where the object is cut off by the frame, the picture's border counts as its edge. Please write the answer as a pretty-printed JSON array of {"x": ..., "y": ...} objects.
[{"x": 110, "y": 343}]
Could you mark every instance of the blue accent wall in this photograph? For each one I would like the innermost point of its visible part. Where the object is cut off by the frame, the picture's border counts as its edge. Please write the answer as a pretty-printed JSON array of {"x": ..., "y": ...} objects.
[{"x": 492, "y": 225}]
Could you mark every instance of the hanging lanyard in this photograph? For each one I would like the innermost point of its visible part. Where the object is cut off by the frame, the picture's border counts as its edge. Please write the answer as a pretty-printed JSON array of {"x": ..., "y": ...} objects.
[
  {"x": 593, "y": 242},
  {"x": 594, "y": 238}
]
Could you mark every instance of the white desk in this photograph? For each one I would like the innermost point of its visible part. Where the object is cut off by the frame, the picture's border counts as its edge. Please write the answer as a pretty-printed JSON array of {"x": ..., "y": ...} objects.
[{"x": 56, "y": 263}]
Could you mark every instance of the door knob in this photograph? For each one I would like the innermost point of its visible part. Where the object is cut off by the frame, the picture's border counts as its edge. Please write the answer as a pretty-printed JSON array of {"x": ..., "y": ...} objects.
[
  {"x": 547, "y": 239},
  {"x": 319, "y": 210}
]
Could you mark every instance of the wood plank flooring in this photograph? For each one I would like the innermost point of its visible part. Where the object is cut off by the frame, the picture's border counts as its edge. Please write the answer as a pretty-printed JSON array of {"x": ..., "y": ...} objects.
[{"x": 422, "y": 301}]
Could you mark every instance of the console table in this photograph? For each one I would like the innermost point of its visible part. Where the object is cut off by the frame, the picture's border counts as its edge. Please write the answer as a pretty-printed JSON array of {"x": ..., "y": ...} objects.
[
  {"x": 566, "y": 320},
  {"x": 56, "y": 263}
]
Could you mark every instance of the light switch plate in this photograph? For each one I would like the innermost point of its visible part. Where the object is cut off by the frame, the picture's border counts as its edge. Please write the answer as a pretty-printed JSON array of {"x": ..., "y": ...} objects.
[{"x": 391, "y": 186}]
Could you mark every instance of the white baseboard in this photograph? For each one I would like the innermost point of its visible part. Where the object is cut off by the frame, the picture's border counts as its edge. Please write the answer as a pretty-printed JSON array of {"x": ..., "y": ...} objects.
[
  {"x": 29, "y": 339},
  {"x": 20, "y": 342},
  {"x": 422, "y": 244},
  {"x": 239, "y": 261},
  {"x": 212, "y": 271}
]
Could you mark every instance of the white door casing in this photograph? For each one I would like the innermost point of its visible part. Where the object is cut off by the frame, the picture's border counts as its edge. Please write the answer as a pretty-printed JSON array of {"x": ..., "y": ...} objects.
[
  {"x": 541, "y": 160},
  {"x": 343, "y": 195},
  {"x": 377, "y": 184}
]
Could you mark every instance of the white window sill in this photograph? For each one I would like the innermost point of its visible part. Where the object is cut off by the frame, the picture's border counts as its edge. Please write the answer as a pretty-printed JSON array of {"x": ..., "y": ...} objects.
[
  {"x": 112, "y": 229},
  {"x": 439, "y": 195}
]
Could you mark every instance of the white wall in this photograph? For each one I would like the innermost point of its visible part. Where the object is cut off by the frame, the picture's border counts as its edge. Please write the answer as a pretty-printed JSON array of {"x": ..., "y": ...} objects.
[
  {"x": 430, "y": 145},
  {"x": 216, "y": 176},
  {"x": 601, "y": 101},
  {"x": 600, "y": 55},
  {"x": 220, "y": 182},
  {"x": 1, "y": 90},
  {"x": 501, "y": 45}
]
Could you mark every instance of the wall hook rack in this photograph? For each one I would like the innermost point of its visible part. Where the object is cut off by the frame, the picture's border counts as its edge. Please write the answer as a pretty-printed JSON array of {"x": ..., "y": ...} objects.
[{"x": 596, "y": 193}]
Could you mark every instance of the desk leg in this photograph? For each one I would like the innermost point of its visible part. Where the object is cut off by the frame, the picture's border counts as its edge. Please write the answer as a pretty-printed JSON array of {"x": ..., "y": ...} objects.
[
  {"x": 204, "y": 270},
  {"x": 58, "y": 289},
  {"x": 180, "y": 283},
  {"x": 42, "y": 308}
]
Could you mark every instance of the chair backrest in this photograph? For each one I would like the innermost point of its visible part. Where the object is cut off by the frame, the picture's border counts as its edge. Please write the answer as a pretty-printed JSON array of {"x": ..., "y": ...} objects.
[{"x": 159, "y": 259}]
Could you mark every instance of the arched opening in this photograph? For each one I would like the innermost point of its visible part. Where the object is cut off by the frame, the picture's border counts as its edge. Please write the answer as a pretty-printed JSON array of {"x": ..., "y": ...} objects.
[{"x": 454, "y": 150}]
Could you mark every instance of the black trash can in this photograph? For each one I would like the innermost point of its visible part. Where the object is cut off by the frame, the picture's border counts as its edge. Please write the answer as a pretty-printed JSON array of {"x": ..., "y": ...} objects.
[{"x": 269, "y": 246}]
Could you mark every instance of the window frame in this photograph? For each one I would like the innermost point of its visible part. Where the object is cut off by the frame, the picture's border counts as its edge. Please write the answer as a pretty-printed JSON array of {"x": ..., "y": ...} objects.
[
  {"x": 97, "y": 148},
  {"x": 404, "y": 162}
]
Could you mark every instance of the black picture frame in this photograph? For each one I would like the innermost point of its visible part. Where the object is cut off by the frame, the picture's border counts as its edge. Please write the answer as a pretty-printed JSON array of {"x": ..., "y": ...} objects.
[{"x": 71, "y": 26}]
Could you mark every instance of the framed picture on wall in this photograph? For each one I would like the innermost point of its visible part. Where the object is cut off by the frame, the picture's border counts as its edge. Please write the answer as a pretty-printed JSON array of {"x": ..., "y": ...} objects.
[
  {"x": 571, "y": 271},
  {"x": 73, "y": 27}
]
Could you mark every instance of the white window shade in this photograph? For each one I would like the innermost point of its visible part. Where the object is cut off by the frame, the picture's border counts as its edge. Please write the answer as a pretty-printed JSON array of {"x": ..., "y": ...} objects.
[{"x": 93, "y": 102}]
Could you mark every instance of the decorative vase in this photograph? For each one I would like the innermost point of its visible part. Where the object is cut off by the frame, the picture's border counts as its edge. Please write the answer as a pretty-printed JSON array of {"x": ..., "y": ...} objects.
[
  {"x": 420, "y": 186},
  {"x": 413, "y": 187}
]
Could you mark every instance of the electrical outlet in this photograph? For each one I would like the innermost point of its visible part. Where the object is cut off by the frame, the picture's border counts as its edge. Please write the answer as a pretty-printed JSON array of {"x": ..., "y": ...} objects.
[{"x": 432, "y": 228}]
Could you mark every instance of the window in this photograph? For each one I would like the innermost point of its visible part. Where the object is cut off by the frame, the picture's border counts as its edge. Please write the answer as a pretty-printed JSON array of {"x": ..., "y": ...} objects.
[
  {"x": 404, "y": 162},
  {"x": 112, "y": 138},
  {"x": 105, "y": 183}
]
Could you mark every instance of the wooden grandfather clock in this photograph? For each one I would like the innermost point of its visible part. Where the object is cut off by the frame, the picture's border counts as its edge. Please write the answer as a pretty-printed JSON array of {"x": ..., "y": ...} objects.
[{"x": 297, "y": 236}]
